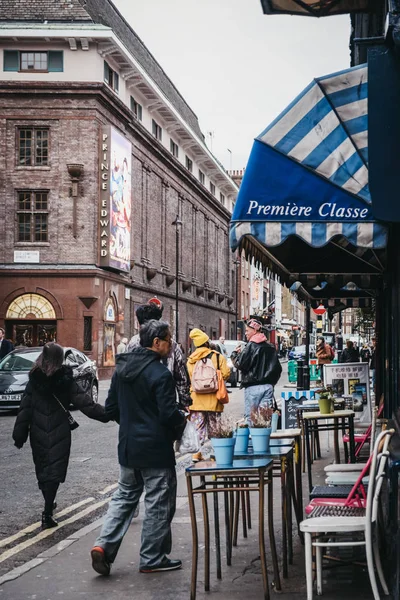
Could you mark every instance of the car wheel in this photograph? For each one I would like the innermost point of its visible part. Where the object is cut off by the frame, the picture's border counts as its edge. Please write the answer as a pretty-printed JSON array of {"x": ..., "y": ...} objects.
[
  {"x": 234, "y": 380},
  {"x": 95, "y": 392}
]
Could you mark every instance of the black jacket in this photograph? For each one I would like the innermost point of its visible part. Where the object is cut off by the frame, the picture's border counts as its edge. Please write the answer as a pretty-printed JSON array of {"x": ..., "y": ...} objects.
[
  {"x": 258, "y": 364},
  {"x": 142, "y": 398},
  {"x": 5, "y": 348},
  {"x": 42, "y": 418},
  {"x": 349, "y": 356}
]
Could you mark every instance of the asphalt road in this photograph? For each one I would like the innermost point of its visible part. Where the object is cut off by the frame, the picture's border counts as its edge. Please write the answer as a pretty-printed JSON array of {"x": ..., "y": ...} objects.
[{"x": 83, "y": 498}]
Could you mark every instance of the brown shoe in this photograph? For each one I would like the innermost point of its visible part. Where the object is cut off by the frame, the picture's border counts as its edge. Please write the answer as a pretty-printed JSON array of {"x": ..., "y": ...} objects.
[{"x": 197, "y": 457}]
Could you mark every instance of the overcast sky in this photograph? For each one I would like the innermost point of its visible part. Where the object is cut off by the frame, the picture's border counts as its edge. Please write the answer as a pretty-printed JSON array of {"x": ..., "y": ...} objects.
[{"x": 237, "y": 68}]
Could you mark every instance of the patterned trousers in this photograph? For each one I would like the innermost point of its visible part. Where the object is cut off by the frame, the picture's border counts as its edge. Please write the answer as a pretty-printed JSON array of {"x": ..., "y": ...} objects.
[{"x": 204, "y": 421}]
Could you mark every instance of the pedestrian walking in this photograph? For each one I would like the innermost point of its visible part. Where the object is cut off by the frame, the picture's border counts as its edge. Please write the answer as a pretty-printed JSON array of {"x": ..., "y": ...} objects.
[
  {"x": 205, "y": 408},
  {"x": 42, "y": 416},
  {"x": 121, "y": 348},
  {"x": 174, "y": 361},
  {"x": 325, "y": 354},
  {"x": 142, "y": 399},
  {"x": 5, "y": 345},
  {"x": 350, "y": 354},
  {"x": 259, "y": 365}
]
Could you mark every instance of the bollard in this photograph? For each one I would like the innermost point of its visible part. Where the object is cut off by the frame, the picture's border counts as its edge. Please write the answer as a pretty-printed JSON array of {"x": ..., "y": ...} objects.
[{"x": 300, "y": 374}]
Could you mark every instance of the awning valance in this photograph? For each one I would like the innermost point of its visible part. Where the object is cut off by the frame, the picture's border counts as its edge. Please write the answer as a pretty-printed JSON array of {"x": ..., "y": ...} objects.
[{"x": 307, "y": 174}]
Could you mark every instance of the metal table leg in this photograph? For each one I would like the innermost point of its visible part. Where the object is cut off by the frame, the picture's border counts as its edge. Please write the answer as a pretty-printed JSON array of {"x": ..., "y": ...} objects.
[
  {"x": 284, "y": 514},
  {"x": 227, "y": 530},
  {"x": 277, "y": 580},
  {"x": 308, "y": 452},
  {"x": 206, "y": 539},
  {"x": 195, "y": 538},
  {"x": 352, "y": 444},
  {"x": 261, "y": 535},
  {"x": 336, "y": 440},
  {"x": 217, "y": 535}
]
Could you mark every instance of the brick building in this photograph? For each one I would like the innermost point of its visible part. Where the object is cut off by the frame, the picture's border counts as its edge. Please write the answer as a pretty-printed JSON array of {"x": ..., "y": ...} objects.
[{"x": 100, "y": 153}]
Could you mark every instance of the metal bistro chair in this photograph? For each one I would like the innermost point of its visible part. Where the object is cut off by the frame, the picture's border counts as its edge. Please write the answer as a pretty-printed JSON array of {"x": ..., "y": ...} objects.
[{"x": 346, "y": 521}]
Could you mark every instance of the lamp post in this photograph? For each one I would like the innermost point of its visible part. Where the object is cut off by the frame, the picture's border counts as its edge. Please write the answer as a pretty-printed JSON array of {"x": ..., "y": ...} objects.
[
  {"x": 177, "y": 224},
  {"x": 237, "y": 263}
]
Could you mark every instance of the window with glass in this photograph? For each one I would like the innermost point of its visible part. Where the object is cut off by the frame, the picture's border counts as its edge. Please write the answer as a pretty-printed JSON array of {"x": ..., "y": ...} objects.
[
  {"x": 189, "y": 164},
  {"x": 212, "y": 188},
  {"x": 34, "y": 61},
  {"x": 202, "y": 177},
  {"x": 32, "y": 216},
  {"x": 136, "y": 108},
  {"x": 33, "y": 147},
  {"x": 25, "y": 60},
  {"x": 111, "y": 77},
  {"x": 222, "y": 198},
  {"x": 156, "y": 130},
  {"x": 174, "y": 148}
]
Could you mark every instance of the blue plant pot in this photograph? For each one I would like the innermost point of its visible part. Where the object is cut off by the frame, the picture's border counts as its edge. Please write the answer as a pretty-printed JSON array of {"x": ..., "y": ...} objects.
[
  {"x": 223, "y": 450},
  {"x": 260, "y": 437},
  {"x": 242, "y": 439}
]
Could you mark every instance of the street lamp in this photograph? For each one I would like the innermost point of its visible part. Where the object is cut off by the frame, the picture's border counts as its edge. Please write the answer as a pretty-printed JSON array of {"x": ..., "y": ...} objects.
[
  {"x": 177, "y": 224},
  {"x": 237, "y": 263}
]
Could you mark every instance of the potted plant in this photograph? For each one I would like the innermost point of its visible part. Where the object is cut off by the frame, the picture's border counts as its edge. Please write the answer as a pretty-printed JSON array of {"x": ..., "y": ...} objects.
[
  {"x": 222, "y": 439},
  {"x": 260, "y": 428},
  {"x": 242, "y": 437},
  {"x": 325, "y": 401}
]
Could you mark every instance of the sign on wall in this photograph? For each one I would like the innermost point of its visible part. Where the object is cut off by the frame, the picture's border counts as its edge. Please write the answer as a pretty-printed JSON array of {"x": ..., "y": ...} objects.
[
  {"x": 256, "y": 290},
  {"x": 115, "y": 200},
  {"x": 351, "y": 379}
]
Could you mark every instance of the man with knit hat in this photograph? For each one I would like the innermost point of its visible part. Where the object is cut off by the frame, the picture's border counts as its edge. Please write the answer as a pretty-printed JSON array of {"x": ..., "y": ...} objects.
[
  {"x": 205, "y": 409},
  {"x": 260, "y": 368}
]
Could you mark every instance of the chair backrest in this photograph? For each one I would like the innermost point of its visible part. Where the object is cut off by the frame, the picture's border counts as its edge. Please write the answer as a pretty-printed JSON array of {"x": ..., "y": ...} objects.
[{"x": 377, "y": 473}]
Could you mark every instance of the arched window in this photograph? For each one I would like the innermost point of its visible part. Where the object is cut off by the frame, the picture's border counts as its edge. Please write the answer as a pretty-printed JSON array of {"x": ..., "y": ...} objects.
[{"x": 30, "y": 306}]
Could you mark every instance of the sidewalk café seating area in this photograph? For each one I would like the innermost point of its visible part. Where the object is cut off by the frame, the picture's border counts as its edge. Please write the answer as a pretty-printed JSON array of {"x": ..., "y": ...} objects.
[{"x": 342, "y": 516}]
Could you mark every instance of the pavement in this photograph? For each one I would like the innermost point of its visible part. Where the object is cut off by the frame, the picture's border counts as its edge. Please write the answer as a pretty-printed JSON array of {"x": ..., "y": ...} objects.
[{"x": 64, "y": 571}]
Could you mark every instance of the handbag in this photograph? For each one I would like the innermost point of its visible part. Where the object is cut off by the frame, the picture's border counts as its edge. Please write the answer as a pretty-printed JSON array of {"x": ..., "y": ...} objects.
[
  {"x": 71, "y": 421},
  {"x": 222, "y": 392}
]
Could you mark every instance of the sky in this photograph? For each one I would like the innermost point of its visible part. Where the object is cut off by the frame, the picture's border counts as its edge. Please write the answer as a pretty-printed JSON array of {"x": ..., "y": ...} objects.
[{"x": 236, "y": 67}]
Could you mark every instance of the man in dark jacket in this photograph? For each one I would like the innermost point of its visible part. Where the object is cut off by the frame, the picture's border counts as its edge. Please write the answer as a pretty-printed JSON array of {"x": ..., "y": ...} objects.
[
  {"x": 260, "y": 368},
  {"x": 142, "y": 398},
  {"x": 5, "y": 346},
  {"x": 350, "y": 354}
]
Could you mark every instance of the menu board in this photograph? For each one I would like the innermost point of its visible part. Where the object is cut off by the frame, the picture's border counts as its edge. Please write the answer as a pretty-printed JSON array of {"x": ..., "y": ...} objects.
[
  {"x": 351, "y": 379},
  {"x": 289, "y": 412}
]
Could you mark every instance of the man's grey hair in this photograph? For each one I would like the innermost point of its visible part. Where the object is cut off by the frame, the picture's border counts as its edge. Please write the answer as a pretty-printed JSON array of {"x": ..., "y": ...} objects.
[{"x": 151, "y": 330}]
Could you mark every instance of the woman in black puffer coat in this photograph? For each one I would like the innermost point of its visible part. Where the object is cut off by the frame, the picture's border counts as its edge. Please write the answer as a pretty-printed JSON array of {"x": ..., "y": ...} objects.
[{"x": 42, "y": 418}]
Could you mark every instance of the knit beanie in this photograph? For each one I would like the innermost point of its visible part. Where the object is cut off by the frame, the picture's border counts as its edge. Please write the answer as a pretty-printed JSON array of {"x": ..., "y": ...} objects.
[{"x": 199, "y": 337}]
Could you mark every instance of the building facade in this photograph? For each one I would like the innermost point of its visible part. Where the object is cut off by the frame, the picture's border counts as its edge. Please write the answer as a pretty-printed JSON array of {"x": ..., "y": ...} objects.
[{"x": 107, "y": 186}]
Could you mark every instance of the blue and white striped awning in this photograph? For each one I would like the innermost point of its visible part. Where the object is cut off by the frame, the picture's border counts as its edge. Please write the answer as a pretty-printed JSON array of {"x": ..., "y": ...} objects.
[{"x": 307, "y": 174}]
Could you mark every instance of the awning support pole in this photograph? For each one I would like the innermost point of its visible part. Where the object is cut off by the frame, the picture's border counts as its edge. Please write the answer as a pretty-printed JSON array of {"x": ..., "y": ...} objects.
[{"x": 307, "y": 360}]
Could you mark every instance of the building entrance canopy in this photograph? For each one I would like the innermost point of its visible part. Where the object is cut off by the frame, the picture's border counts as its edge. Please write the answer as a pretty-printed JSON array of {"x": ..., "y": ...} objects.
[{"x": 304, "y": 207}]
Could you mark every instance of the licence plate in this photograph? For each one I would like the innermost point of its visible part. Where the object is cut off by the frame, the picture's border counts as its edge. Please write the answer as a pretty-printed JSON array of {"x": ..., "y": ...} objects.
[{"x": 10, "y": 397}]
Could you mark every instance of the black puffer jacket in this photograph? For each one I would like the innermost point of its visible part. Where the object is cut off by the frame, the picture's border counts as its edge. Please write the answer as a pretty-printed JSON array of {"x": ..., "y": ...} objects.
[
  {"x": 258, "y": 364},
  {"x": 142, "y": 398},
  {"x": 42, "y": 418}
]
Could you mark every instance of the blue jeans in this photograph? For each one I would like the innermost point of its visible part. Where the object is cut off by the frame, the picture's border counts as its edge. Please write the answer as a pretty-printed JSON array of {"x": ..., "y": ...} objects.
[
  {"x": 159, "y": 501},
  {"x": 255, "y": 396}
]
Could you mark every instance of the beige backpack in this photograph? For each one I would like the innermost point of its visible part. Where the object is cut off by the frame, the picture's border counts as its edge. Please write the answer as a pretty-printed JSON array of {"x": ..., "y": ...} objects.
[{"x": 204, "y": 376}]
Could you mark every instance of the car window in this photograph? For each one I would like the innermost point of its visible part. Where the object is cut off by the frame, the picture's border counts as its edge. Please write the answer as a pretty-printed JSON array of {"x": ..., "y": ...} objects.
[
  {"x": 80, "y": 358},
  {"x": 19, "y": 362},
  {"x": 230, "y": 345},
  {"x": 70, "y": 359}
]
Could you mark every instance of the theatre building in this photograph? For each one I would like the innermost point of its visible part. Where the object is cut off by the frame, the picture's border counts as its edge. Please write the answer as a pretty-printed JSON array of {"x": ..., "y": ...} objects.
[{"x": 108, "y": 191}]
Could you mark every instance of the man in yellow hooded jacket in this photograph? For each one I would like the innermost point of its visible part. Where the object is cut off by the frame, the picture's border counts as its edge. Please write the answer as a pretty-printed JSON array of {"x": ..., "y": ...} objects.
[{"x": 205, "y": 409}]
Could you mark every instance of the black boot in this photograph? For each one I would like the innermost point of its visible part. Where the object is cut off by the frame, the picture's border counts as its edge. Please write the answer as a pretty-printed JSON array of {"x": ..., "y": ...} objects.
[{"x": 47, "y": 521}]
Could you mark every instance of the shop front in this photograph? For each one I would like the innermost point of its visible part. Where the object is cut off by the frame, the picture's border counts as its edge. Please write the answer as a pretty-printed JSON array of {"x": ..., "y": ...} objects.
[{"x": 31, "y": 321}]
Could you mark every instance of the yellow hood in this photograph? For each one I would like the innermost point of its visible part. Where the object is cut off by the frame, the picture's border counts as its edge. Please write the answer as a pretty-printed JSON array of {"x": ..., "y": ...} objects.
[{"x": 198, "y": 354}]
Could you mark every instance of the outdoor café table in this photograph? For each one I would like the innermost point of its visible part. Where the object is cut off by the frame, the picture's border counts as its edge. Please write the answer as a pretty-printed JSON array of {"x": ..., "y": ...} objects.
[
  {"x": 282, "y": 456},
  {"x": 316, "y": 421},
  {"x": 282, "y": 435},
  {"x": 252, "y": 475}
]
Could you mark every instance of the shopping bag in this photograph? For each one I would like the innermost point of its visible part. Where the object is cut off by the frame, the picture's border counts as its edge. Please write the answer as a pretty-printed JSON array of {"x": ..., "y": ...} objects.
[
  {"x": 222, "y": 392},
  {"x": 190, "y": 440}
]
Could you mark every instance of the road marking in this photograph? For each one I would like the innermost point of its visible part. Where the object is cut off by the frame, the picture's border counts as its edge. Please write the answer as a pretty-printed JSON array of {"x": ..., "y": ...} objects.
[
  {"x": 36, "y": 525},
  {"x": 109, "y": 488},
  {"x": 48, "y": 532}
]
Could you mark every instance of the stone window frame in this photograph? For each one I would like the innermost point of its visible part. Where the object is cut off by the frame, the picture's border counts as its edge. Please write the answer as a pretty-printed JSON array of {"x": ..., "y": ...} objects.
[
  {"x": 33, "y": 210},
  {"x": 35, "y": 129}
]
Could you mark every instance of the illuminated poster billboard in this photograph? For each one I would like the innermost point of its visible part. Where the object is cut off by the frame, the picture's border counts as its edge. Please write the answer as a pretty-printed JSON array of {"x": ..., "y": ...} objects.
[{"x": 115, "y": 200}]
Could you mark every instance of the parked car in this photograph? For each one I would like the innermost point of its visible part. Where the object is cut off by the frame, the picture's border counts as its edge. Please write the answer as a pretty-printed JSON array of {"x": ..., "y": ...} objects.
[
  {"x": 15, "y": 367},
  {"x": 229, "y": 347},
  {"x": 299, "y": 352}
]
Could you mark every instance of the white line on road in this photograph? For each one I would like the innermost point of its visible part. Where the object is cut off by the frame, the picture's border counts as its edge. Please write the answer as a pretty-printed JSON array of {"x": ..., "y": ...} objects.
[
  {"x": 36, "y": 525},
  {"x": 48, "y": 532},
  {"x": 109, "y": 488}
]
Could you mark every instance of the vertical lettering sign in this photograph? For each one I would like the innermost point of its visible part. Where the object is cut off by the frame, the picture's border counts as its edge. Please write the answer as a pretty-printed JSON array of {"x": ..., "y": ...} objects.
[
  {"x": 104, "y": 214},
  {"x": 115, "y": 200}
]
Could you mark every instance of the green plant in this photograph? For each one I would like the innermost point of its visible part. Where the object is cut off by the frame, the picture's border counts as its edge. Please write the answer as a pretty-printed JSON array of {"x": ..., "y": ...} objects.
[
  {"x": 261, "y": 416},
  {"x": 221, "y": 428}
]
